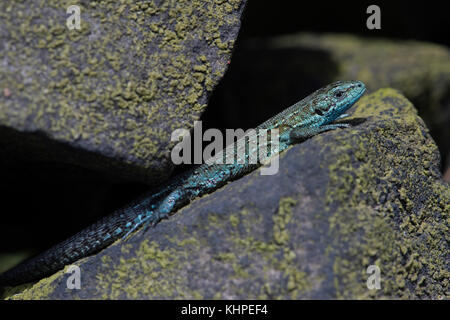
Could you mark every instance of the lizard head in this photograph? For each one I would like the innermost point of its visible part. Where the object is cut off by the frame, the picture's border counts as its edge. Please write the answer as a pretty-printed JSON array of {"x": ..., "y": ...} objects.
[{"x": 333, "y": 100}]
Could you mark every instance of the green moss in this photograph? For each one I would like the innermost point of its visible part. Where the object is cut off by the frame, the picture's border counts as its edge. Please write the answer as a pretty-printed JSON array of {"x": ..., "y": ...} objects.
[
  {"x": 284, "y": 216},
  {"x": 38, "y": 291},
  {"x": 149, "y": 271},
  {"x": 154, "y": 270},
  {"x": 276, "y": 255},
  {"x": 234, "y": 220},
  {"x": 385, "y": 220},
  {"x": 83, "y": 87}
]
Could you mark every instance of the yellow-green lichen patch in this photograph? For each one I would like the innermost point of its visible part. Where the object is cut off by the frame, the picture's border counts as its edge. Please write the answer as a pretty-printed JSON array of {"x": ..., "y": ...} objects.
[
  {"x": 390, "y": 207},
  {"x": 154, "y": 270},
  {"x": 273, "y": 257},
  {"x": 147, "y": 272},
  {"x": 118, "y": 87},
  {"x": 38, "y": 291}
]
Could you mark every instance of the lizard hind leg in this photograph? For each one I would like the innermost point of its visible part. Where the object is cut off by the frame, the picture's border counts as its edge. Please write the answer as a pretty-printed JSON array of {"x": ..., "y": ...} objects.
[
  {"x": 142, "y": 219},
  {"x": 152, "y": 217}
]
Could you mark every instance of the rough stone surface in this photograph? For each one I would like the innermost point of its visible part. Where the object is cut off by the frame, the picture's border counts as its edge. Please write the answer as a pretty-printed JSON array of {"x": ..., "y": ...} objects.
[
  {"x": 108, "y": 96},
  {"x": 342, "y": 201}
]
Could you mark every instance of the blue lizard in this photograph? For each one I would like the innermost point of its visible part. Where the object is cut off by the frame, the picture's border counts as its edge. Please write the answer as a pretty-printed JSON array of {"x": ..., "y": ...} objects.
[{"x": 308, "y": 117}]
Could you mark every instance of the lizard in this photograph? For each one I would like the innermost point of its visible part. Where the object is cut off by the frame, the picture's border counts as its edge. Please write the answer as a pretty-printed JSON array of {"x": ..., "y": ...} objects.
[{"x": 310, "y": 116}]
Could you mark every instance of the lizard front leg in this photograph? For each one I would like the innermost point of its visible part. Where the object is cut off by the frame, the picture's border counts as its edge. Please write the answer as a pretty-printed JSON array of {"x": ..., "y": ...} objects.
[{"x": 303, "y": 133}]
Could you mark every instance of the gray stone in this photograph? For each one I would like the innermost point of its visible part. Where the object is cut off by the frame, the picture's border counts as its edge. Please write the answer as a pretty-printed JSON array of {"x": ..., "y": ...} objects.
[{"x": 107, "y": 97}]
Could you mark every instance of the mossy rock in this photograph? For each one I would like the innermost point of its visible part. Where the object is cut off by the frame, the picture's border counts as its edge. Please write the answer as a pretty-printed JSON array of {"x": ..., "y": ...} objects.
[
  {"x": 342, "y": 201},
  {"x": 107, "y": 97}
]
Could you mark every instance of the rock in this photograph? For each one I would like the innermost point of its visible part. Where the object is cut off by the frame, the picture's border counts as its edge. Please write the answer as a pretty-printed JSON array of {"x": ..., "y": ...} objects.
[
  {"x": 277, "y": 71},
  {"x": 107, "y": 97},
  {"x": 342, "y": 201}
]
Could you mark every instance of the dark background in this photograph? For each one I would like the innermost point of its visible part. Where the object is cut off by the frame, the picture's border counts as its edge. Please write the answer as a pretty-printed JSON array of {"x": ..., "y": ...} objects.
[
  {"x": 420, "y": 20},
  {"x": 43, "y": 204}
]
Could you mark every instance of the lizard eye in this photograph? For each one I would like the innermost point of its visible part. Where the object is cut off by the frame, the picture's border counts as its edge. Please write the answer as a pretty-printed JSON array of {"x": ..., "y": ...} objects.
[
  {"x": 338, "y": 94},
  {"x": 319, "y": 112}
]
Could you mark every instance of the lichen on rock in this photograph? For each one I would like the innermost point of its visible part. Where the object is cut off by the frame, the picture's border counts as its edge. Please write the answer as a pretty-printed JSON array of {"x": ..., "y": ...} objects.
[
  {"x": 346, "y": 199},
  {"x": 117, "y": 88}
]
